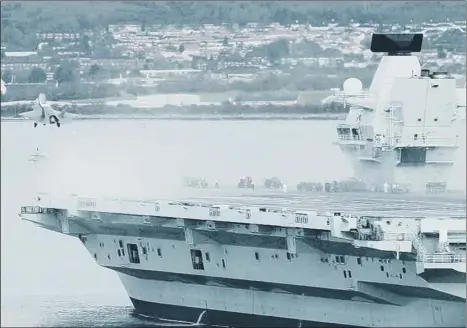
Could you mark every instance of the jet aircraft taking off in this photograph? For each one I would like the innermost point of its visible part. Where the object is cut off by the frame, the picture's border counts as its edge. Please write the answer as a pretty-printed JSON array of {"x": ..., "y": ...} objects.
[{"x": 43, "y": 113}]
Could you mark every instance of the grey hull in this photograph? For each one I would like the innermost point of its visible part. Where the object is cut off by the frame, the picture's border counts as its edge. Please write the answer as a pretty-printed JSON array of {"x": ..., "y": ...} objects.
[{"x": 218, "y": 318}]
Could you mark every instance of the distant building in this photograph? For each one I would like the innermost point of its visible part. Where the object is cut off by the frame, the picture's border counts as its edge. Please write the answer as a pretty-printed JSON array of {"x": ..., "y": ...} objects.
[
  {"x": 120, "y": 63},
  {"x": 20, "y": 54},
  {"x": 169, "y": 72},
  {"x": 22, "y": 60},
  {"x": 57, "y": 36},
  {"x": 50, "y": 76}
]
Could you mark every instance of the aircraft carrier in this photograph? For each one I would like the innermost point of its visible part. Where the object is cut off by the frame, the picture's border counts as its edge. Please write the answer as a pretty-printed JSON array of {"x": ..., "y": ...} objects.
[{"x": 264, "y": 258}]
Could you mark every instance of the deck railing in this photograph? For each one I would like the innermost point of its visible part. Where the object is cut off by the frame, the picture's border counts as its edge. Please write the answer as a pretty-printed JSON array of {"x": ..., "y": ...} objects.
[
  {"x": 444, "y": 258},
  {"x": 423, "y": 256}
]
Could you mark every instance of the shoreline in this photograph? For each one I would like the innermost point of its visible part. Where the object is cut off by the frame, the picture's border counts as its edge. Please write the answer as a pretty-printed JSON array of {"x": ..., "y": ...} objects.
[{"x": 180, "y": 117}]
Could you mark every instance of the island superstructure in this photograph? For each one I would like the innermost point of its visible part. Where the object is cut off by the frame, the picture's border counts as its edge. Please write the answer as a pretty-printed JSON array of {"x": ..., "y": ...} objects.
[
  {"x": 251, "y": 258},
  {"x": 405, "y": 128}
]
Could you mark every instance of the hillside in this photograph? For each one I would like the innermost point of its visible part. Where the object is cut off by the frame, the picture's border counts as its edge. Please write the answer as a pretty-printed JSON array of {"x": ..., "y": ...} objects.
[{"x": 20, "y": 20}]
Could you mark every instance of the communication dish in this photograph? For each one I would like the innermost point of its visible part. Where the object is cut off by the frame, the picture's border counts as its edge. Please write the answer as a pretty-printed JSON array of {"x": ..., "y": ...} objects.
[
  {"x": 352, "y": 86},
  {"x": 396, "y": 43}
]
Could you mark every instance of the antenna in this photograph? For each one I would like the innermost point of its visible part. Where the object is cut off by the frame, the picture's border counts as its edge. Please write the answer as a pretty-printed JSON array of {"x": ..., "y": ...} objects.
[
  {"x": 352, "y": 86},
  {"x": 397, "y": 44}
]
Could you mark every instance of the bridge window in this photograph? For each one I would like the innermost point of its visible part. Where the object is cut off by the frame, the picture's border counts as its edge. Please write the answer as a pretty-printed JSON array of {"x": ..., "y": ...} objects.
[
  {"x": 413, "y": 155},
  {"x": 119, "y": 253},
  {"x": 355, "y": 134},
  {"x": 342, "y": 259},
  {"x": 400, "y": 275},
  {"x": 350, "y": 274},
  {"x": 382, "y": 268},
  {"x": 133, "y": 253},
  {"x": 359, "y": 260},
  {"x": 344, "y": 133},
  {"x": 404, "y": 270},
  {"x": 208, "y": 257},
  {"x": 223, "y": 263},
  {"x": 337, "y": 259},
  {"x": 159, "y": 252},
  {"x": 345, "y": 275},
  {"x": 120, "y": 243},
  {"x": 257, "y": 256},
  {"x": 145, "y": 252},
  {"x": 197, "y": 259}
]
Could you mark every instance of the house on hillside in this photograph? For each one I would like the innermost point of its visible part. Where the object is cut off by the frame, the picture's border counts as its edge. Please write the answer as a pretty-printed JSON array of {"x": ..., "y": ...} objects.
[{"x": 21, "y": 60}]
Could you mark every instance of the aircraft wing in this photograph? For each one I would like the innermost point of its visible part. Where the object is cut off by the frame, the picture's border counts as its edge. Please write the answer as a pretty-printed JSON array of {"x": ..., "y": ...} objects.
[
  {"x": 37, "y": 112},
  {"x": 28, "y": 114},
  {"x": 71, "y": 115},
  {"x": 62, "y": 114},
  {"x": 60, "y": 103}
]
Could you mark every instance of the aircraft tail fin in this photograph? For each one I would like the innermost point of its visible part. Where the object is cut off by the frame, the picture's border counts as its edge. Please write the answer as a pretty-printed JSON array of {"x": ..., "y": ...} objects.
[{"x": 41, "y": 99}]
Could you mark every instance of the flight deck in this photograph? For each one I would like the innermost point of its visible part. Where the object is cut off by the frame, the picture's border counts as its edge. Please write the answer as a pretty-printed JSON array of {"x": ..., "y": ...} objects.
[
  {"x": 447, "y": 204},
  {"x": 362, "y": 203}
]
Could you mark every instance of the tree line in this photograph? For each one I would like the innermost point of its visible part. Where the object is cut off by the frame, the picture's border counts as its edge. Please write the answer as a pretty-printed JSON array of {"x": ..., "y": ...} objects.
[
  {"x": 222, "y": 109},
  {"x": 67, "y": 72},
  {"x": 20, "y": 20}
]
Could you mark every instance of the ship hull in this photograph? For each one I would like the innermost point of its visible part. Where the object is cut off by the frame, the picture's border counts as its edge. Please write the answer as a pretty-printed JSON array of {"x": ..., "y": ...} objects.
[
  {"x": 226, "y": 306},
  {"x": 177, "y": 313}
]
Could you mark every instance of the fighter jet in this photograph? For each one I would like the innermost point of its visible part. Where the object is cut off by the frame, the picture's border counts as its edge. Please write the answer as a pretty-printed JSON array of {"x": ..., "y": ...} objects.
[{"x": 43, "y": 113}]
